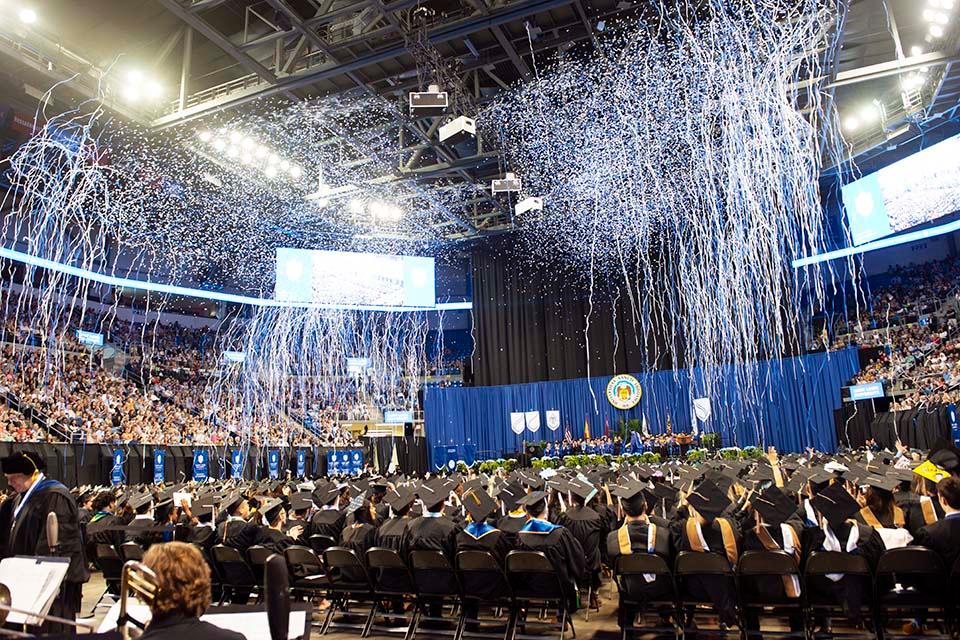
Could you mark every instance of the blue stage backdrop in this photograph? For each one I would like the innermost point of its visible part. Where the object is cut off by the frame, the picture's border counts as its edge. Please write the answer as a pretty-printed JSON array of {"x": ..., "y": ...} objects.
[{"x": 795, "y": 412}]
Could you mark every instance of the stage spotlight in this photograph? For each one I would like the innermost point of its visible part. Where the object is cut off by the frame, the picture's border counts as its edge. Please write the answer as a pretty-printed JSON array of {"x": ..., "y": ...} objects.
[
  {"x": 385, "y": 211},
  {"x": 869, "y": 114},
  {"x": 27, "y": 15},
  {"x": 130, "y": 94},
  {"x": 509, "y": 183},
  {"x": 154, "y": 90},
  {"x": 911, "y": 82},
  {"x": 431, "y": 102},
  {"x": 916, "y": 50},
  {"x": 936, "y": 31},
  {"x": 852, "y": 123},
  {"x": 458, "y": 130}
]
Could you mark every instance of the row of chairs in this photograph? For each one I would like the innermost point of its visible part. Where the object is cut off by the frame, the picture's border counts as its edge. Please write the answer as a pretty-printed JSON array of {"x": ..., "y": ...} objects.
[{"x": 908, "y": 584}]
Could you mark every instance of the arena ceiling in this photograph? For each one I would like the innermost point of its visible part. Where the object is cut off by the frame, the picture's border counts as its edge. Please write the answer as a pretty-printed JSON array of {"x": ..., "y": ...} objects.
[{"x": 200, "y": 61}]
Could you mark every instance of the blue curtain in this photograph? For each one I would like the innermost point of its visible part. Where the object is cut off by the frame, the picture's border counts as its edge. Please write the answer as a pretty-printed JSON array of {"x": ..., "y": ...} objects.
[{"x": 794, "y": 411}]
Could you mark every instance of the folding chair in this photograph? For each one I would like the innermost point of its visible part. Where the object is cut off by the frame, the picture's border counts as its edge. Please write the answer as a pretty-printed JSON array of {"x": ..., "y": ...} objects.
[
  {"x": 690, "y": 567},
  {"x": 257, "y": 559},
  {"x": 131, "y": 551},
  {"x": 111, "y": 564},
  {"x": 535, "y": 583},
  {"x": 910, "y": 583},
  {"x": 824, "y": 597},
  {"x": 753, "y": 567},
  {"x": 437, "y": 586},
  {"x": 393, "y": 585},
  {"x": 639, "y": 597},
  {"x": 236, "y": 576},
  {"x": 348, "y": 583},
  {"x": 307, "y": 575},
  {"x": 484, "y": 584},
  {"x": 319, "y": 543}
]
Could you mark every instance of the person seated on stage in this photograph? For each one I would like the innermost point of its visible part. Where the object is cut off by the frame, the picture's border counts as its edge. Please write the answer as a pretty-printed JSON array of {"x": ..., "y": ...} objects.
[
  {"x": 479, "y": 534},
  {"x": 360, "y": 534},
  {"x": 514, "y": 515},
  {"x": 330, "y": 519},
  {"x": 774, "y": 527},
  {"x": 836, "y": 531},
  {"x": 183, "y": 595},
  {"x": 236, "y": 531},
  {"x": 943, "y": 536},
  {"x": 589, "y": 528},
  {"x": 639, "y": 534},
  {"x": 272, "y": 535},
  {"x": 564, "y": 552},
  {"x": 394, "y": 532},
  {"x": 704, "y": 531}
]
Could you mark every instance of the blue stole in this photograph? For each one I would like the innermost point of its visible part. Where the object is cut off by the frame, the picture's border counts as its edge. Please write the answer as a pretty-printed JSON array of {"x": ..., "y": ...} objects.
[
  {"x": 539, "y": 526},
  {"x": 478, "y": 529}
]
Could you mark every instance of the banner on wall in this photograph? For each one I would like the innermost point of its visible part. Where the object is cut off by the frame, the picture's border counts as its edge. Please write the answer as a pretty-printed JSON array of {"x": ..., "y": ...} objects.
[
  {"x": 117, "y": 475},
  {"x": 532, "y": 419},
  {"x": 301, "y": 463},
  {"x": 954, "y": 423},
  {"x": 344, "y": 462},
  {"x": 201, "y": 465},
  {"x": 273, "y": 464},
  {"x": 159, "y": 465},
  {"x": 518, "y": 422},
  {"x": 236, "y": 464},
  {"x": 553, "y": 420}
]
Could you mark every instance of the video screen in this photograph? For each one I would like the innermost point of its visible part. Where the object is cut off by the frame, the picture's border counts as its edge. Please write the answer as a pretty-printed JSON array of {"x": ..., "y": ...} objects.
[
  {"x": 347, "y": 278},
  {"x": 910, "y": 192}
]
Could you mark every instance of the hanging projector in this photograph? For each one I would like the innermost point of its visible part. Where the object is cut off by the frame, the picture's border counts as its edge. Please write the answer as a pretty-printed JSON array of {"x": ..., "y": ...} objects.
[
  {"x": 528, "y": 204},
  {"x": 458, "y": 130},
  {"x": 431, "y": 102},
  {"x": 508, "y": 184}
]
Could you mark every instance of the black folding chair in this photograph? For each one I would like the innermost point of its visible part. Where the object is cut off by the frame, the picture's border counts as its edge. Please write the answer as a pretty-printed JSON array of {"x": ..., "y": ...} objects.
[
  {"x": 755, "y": 570},
  {"x": 535, "y": 583},
  {"x": 825, "y": 598},
  {"x": 238, "y": 579},
  {"x": 394, "y": 587},
  {"x": 308, "y": 578},
  {"x": 695, "y": 603},
  {"x": 640, "y": 597},
  {"x": 484, "y": 584},
  {"x": 437, "y": 586},
  {"x": 111, "y": 564},
  {"x": 348, "y": 584},
  {"x": 911, "y": 583},
  {"x": 257, "y": 556},
  {"x": 320, "y": 543},
  {"x": 131, "y": 551}
]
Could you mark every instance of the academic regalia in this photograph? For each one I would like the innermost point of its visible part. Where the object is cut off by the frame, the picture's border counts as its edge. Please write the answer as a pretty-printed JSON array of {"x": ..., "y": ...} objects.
[
  {"x": 845, "y": 590},
  {"x": 328, "y": 522},
  {"x": 104, "y": 528},
  {"x": 564, "y": 552},
  {"x": 510, "y": 526},
  {"x": 237, "y": 533},
  {"x": 25, "y": 533},
  {"x": 433, "y": 534},
  {"x": 135, "y": 531},
  {"x": 394, "y": 534},
  {"x": 722, "y": 537},
  {"x": 590, "y": 530},
  {"x": 641, "y": 537},
  {"x": 923, "y": 512},
  {"x": 359, "y": 538},
  {"x": 943, "y": 537},
  {"x": 483, "y": 537},
  {"x": 178, "y": 627},
  {"x": 274, "y": 540}
]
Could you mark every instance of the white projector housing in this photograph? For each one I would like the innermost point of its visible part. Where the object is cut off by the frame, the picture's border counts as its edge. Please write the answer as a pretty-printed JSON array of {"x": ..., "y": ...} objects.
[
  {"x": 431, "y": 102},
  {"x": 458, "y": 130},
  {"x": 508, "y": 184},
  {"x": 527, "y": 205}
]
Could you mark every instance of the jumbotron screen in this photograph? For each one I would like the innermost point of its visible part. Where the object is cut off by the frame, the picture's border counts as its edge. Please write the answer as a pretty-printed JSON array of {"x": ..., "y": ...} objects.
[
  {"x": 354, "y": 279},
  {"x": 910, "y": 192}
]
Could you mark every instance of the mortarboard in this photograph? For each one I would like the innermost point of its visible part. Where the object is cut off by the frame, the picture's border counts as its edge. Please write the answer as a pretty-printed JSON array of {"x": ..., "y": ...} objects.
[
  {"x": 139, "y": 500},
  {"x": 399, "y": 498},
  {"x": 532, "y": 498},
  {"x": 835, "y": 504},
  {"x": 271, "y": 508},
  {"x": 478, "y": 504},
  {"x": 301, "y": 501},
  {"x": 879, "y": 480},
  {"x": 708, "y": 499},
  {"x": 510, "y": 495},
  {"x": 774, "y": 506}
]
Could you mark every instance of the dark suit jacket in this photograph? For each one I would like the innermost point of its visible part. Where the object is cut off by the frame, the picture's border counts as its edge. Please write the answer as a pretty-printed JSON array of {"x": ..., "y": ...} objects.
[
  {"x": 176, "y": 627},
  {"x": 943, "y": 537}
]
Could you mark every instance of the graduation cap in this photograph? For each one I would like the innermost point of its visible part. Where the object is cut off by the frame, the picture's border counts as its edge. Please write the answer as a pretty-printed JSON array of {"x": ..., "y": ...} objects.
[
  {"x": 200, "y": 510},
  {"x": 231, "y": 502},
  {"x": 708, "y": 499},
  {"x": 24, "y": 462},
  {"x": 301, "y": 501},
  {"x": 435, "y": 491},
  {"x": 163, "y": 509},
  {"x": 399, "y": 498},
  {"x": 357, "y": 502},
  {"x": 532, "y": 498},
  {"x": 510, "y": 495},
  {"x": 140, "y": 500},
  {"x": 947, "y": 458},
  {"x": 835, "y": 504},
  {"x": 530, "y": 481},
  {"x": 478, "y": 504},
  {"x": 880, "y": 480},
  {"x": 774, "y": 506},
  {"x": 475, "y": 483},
  {"x": 326, "y": 493},
  {"x": 902, "y": 475},
  {"x": 271, "y": 509}
]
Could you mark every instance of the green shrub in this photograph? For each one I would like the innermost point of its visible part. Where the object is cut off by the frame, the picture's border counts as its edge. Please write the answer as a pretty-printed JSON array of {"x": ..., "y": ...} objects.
[
  {"x": 649, "y": 457},
  {"x": 710, "y": 440},
  {"x": 751, "y": 453},
  {"x": 510, "y": 465},
  {"x": 730, "y": 453},
  {"x": 696, "y": 455}
]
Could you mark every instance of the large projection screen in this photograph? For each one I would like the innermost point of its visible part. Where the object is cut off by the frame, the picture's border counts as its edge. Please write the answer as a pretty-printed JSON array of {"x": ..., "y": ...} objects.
[{"x": 345, "y": 278}]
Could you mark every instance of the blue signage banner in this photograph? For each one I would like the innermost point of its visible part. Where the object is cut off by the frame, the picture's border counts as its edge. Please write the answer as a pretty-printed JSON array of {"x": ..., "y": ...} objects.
[
  {"x": 273, "y": 463},
  {"x": 452, "y": 455},
  {"x": 954, "y": 423},
  {"x": 356, "y": 462},
  {"x": 344, "y": 462},
  {"x": 159, "y": 465},
  {"x": 201, "y": 465},
  {"x": 866, "y": 391},
  {"x": 301, "y": 463},
  {"x": 117, "y": 474},
  {"x": 236, "y": 464},
  {"x": 469, "y": 453}
]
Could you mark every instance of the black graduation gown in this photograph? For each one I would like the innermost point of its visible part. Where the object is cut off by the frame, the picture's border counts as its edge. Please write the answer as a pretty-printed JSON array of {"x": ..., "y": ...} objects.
[
  {"x": 768, "y": 586},
  {"x": 238, "y": 534},
  {"x": 565, "y": 554},
  {"x": 510, "y": 525},
  {"x": 492, "y": 541},
  {"x": 719, "y": 590},
  {"x": 328, "y": 522},
  {"x": 943, "y": 537},
  {"x": 26, "y": 535},
  {"x": 273, "y": 540},
  {"x": 103, "y": 529},
  {"x": 637, "y": 587},
  {"x": 359, "y": 538},
  {"x": 435, "y": 534},
  {"x": 914, "y": 514},
  {"x": 590, "y": 530},
  {"x": 848, "y": 591},
  {"x": 482, "y": 538},
  {"x": 177, "y": 627},
  {"x": 394, "y": 534},
  {"x": 135, "y": 532}
]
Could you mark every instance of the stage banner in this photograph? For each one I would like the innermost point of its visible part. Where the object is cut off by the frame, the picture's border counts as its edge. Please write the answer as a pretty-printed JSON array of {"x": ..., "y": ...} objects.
[
  {"x": 273, "y": 464},
  {"x": 553, "y": 420},
  {"x": 452, "y": 455},
  {"x": 159, "y": 465},
  {"x": 301, "y": 463},
  {"x": 469, "y": 453},
  {"x": 954, "y": 426},
  {"x": 532, "y": 418},
  {"x": 236, "y": 464},
  {"x": 117, "y": 475},
  {"x": 439, "y": 456},
  {"x": 201, "y": 465},
  {"x": 356, "y": 462},
  {"x": 518, "y": 422}
]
